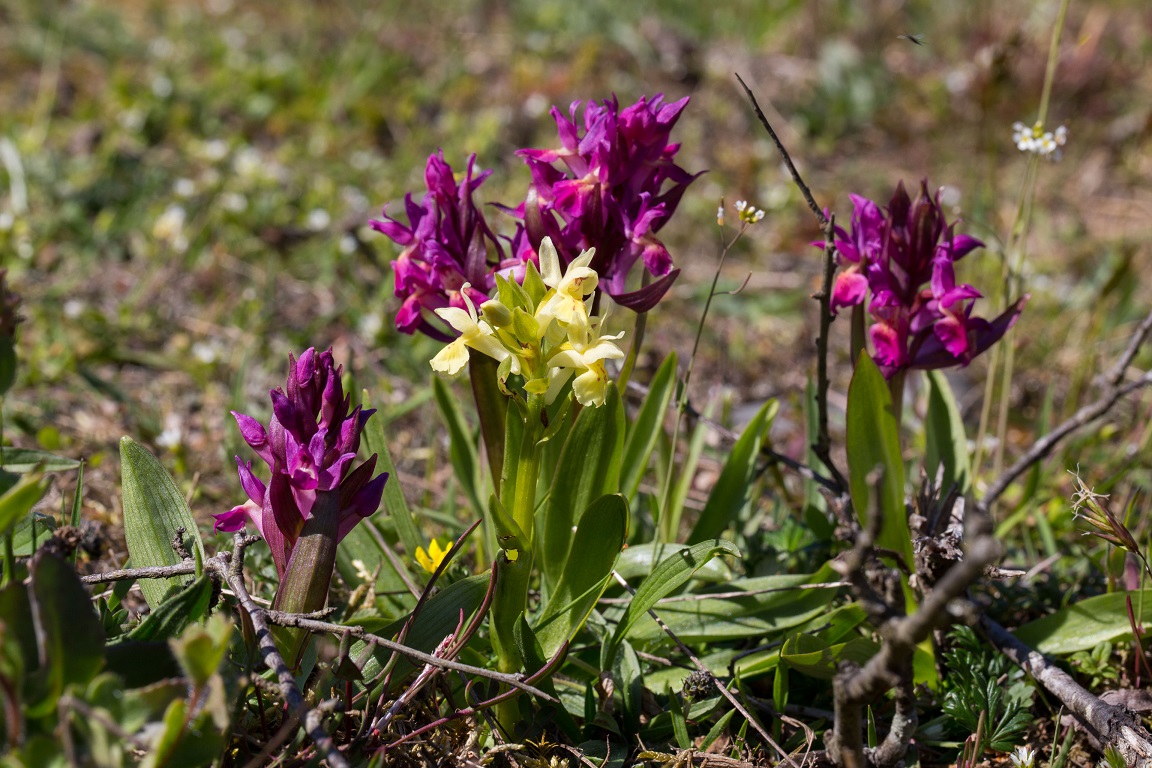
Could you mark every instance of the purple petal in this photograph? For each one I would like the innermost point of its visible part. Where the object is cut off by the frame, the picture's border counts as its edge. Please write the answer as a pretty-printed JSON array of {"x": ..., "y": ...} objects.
[
  {"x": 251, "y": 484},
  {"x": 649, "y": 296}
]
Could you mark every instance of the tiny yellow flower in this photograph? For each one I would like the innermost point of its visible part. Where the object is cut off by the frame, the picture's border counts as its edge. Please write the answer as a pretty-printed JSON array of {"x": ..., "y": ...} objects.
[
  {"x": 431, "y": 559},
  {"x": 474, "y": 333}
]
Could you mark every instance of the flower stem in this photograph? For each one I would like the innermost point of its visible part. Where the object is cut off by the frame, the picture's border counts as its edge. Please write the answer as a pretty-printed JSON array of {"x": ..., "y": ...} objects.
[
  {"x": 308, "y": 576},
  {"x": 510, "y": 601}
]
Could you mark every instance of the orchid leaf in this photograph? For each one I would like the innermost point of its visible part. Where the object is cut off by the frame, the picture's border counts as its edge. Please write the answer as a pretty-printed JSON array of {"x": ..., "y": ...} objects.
[
  {"x": 17, "y": 501},
  {"x": 589, "y": 468},
  {"x": 394, "y": 502},
  {"x": 599, "y": 537},
  {"x": 23, "y": 460},
  {"x": 461, "y": 444},
  {"x": 672, "y": 572},
  {"x": 644, "y": 432},
  {"x": 1085, "y": 624},
  {"x": 154, "y": 509},
  {"x": 172, "y": 616},
  {"x": 733, "y": 490},
  {"x": 946, "y": 443},
  {"x": 873, "y": 442}
]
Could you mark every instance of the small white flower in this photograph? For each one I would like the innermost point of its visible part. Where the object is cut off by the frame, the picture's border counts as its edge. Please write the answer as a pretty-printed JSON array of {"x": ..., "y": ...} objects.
[
  {"x": 741, "y": 205},
  {"x": 1023, "y": 757}
]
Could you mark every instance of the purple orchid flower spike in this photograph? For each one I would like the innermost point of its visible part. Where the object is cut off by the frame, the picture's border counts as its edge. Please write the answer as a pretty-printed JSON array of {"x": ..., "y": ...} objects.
[
  {"x": 611, "y": 189},
  {"x": 447, "y": 245},
  {"x": 904, "y": 258},
  {"x": 309, "y": 446}
]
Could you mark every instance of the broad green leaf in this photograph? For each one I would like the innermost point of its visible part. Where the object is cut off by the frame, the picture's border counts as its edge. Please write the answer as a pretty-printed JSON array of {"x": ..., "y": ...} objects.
[
  {"x": 815, "y": 657},
  {"x": 16, "y": 615},
  {"x": 18, "y": 501},
  {"x": 733, "y": 490},
  {"x": 188, "y": 605},
  {"x": 946, "y": 443},
  {"x": 154, "y": 508},
  {"x": 394, "y": 501},
  {"x": 758, "y": 614},
  {"x": 199, "y": 650},
  {"x": 873, "y": 441},
  {"x": 829, "y": 628},
  {"x": 589, "y": 468},
  {"x": 672, "y": 572},
  {"x": 1087, "y": 623},
  {"x": 639, "y": 560},
  {"x": 644, "y": 432},
  {"x": 461, "y": 444},
  {"x": 492, "y": 408},
  {"x": 69, "y": 633},
  {"x": 27, "y": 459},
  {"x": 438, "y": 618},
  {"x": 596, "y": 544},
  {"x": 35, "y": 527}
]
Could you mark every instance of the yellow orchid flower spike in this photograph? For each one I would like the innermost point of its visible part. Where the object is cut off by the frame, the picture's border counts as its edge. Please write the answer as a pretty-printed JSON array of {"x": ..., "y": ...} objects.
[{"x": 474, "y": 333}]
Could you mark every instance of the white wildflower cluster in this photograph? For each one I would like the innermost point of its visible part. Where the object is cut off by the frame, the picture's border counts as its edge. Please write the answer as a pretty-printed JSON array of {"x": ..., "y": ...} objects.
[
  {"x": 542, "y": 331},
  {"x": 1038, "y": 141},
  {"x": 749, "y": 214}
]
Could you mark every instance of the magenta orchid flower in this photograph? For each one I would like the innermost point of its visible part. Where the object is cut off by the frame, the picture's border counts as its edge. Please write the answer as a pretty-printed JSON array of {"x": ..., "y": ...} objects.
[
  {"x": 612, "y": 188},
  {"x": 447, "y": 245},
  {"x": 905, "y": 257},
  {"x": 309, "y": 446}
]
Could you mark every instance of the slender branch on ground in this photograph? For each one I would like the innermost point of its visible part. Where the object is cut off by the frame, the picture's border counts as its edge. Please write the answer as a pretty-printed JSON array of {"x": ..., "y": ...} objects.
[
  {"x": 1044, "y": 446},
  {"x": 230, "y": 567},
  {"x": 1116, "y": 375},
  {"x": 483, "y": 706},
  {"x": 131, "y": 574},
  {"x": 292, "y": 620},
  {"x": 822, "y": 446},
  {"x": 824, "y": 221},
  {"x": 1111, "y": 725},
  {"x": 722, "y": 688},
  {"x": 891, "y": 667}
]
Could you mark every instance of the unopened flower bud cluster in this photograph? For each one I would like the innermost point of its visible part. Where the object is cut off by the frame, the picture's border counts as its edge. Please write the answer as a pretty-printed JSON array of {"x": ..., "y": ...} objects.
[{"x": 749, "y": 214}]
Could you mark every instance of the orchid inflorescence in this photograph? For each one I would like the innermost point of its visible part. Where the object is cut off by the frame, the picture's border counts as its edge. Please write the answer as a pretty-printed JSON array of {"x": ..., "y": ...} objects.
[
  {"x": 606, "y": 190},
  {"x": 309, "y": 446},
  {"x": 904, "y": 258},
  {"x": 542, "y": 331}
]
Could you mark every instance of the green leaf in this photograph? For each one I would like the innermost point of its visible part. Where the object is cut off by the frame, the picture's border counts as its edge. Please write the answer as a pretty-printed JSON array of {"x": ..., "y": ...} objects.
[
  {"x": 733, "y": 490},
  {"x": 188, "y": 605},
  {"x": 154, "y": 508},
  {"x": 27, "y": 459},
  {"x": 639, "y": 560},
  {"x": 18, "y": 501},
  {"x": 815, "y": 657},
  {"x": 461, "y": 444},
  {"x": 589, "y": 468},
  {"x": 36, "y": 525},
  {"x": 873, "y": 441},
  {"x": 199, "y": 650},
  {"x": 946, "y": 443},
  {"x": 679, "y": 727},
  {"x": 394, "y": 501},
  {"x": 644, "y": 432},
  {"x": 1087, "y": 623},
  {"x": 671, "y": 574},
  {"x": 69, "y": 632},
  {"x": 758, "y": 614},
  {"x": 596, "y": 544},
  {"x": 437, "y": 619}
]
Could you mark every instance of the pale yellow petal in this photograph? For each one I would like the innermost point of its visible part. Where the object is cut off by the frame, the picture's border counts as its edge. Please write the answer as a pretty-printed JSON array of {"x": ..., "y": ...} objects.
[
  {"x": 452, "y": 359},
  {"x": 549, "y": 263}
]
